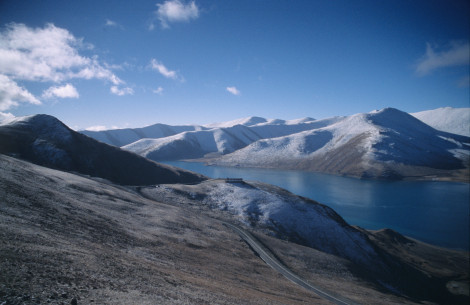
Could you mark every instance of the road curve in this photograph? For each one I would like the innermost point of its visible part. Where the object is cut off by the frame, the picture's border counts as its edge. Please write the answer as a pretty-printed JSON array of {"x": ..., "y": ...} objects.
[{"x": 271, "y": 261}]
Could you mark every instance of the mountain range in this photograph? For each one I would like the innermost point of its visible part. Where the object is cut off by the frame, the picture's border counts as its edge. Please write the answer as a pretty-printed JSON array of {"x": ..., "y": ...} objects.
[{"x": 387, "y": 143}]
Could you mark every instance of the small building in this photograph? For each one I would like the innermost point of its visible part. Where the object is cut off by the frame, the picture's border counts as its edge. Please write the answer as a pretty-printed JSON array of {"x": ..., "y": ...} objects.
[{"x": 233, "y": 180}]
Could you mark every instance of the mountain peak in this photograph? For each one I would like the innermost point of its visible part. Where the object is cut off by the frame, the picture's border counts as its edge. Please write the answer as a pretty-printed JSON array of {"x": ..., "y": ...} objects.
[
  {"x": 248, "y": 121},
  {"x": 43, "y": 126}
]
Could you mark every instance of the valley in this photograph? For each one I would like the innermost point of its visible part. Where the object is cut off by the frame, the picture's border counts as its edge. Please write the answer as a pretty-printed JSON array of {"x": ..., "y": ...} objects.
[{"x": 86, "y": 222}]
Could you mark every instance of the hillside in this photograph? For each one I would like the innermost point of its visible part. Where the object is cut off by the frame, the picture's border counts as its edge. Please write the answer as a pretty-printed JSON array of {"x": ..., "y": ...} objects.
[
  {"x": 448, "y": 119},
  {"x": 67, "y": 237},
  {"x": 382, "y": 144},
  {"x": 390, "y": 260},
  {"x": 45, "y": 140}
]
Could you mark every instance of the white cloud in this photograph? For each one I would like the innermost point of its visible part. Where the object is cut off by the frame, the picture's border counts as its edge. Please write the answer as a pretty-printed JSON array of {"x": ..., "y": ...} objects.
[
  {"x": 121, "y": 91},
  {"x": 97, "y": 128},
  {"x": 6, "y": 117},
  {"x": 110, "y": 23},
  {"x": 176, "y": 11},
  {"x": 159, "y": 90},
  {"x": 160, "y": 67},
  {"x": 11, "y": 94},
  {"x": 233, "y": 90},
  {"x": 456, "y": 55},
  {"x": 103, "y": 127},
  {"x": 48, "y": 54},
  {"x": 66, "y": 91}
]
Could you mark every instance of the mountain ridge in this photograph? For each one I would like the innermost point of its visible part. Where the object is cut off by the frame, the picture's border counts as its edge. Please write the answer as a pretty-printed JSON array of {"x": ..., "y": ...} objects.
[{"x": 44, "y": 140}]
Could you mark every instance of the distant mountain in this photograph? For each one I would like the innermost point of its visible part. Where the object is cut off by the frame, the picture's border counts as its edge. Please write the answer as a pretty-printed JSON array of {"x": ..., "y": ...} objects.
[
  {"x": 448, "y": 119},
  {"x": 195, "y": 144},
  {"x": 44, "y": 140},
  {"x": 382, "y": 144},
  {"x": 220, "y": 140},
  {"x": 121, "y": 137}
]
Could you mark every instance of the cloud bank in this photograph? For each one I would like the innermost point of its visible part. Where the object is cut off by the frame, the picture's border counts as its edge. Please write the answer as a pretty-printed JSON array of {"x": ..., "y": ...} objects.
[
  {"x": 48, "y": 54},
  {"x": 176, "y": 11},
  {"x": 456, "y": 55}
]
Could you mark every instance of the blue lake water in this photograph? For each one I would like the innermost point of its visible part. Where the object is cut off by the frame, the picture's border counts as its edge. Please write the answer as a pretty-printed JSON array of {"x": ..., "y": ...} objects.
[{"x": 435, "y": 212}]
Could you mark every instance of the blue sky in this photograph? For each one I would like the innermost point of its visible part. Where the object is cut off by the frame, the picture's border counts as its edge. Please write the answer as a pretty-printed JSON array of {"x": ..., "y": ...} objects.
[{"x": 135, "y": 63}]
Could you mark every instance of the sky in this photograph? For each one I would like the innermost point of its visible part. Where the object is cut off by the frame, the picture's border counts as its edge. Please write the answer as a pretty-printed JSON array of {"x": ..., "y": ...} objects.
[{"x": 116, "y": 64}]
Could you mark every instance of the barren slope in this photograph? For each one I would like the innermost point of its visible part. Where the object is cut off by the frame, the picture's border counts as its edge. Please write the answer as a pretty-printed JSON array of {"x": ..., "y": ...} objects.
[{"x": 64, "y": 236}]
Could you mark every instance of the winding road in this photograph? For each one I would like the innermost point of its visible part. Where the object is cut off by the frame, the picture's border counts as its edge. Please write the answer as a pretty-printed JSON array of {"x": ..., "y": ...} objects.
[{"x": 271, "y": 261}]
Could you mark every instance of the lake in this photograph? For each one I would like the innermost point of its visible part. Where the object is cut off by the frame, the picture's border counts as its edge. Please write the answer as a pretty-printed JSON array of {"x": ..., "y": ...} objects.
[{"x": 435, "y": 212}]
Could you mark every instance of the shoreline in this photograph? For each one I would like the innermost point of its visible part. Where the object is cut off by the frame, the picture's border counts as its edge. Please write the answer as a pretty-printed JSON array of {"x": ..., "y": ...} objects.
[{"x": 457, "y": 176}]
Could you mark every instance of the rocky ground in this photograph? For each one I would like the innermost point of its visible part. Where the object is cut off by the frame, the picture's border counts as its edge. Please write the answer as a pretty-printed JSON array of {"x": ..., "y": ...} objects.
[{"x": 68, "y": 239}]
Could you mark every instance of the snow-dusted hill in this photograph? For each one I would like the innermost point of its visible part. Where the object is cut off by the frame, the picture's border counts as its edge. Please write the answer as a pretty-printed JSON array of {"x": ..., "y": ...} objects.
[
  {"x": 44, "y": 140},
  {"x": 387, "y": 143},
  {"x": 448, "y": 119},
  {"x": 195, "y": 144},
  {"x": 221, "y": 140},
  {"x": 279, "y": 213},
  {"x": 121, "y": 137}
]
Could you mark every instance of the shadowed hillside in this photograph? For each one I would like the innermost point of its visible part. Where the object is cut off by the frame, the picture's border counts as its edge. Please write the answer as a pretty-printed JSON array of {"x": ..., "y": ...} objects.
[{"x": 44, "y": 140}]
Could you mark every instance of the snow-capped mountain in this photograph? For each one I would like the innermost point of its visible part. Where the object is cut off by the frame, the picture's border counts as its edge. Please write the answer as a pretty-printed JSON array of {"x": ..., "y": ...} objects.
[
  {"x": 44, "y": 140},
  {"x": 254, "y": 121},
  {"x": 387, "y": 143},
  {"x": 448, "y": 119},
  {"x": 249, "y": 121},
  {"x": 121, "y": 137},
  {"x": 195, "y": 144},
  {"x": 221, "y": 140}
]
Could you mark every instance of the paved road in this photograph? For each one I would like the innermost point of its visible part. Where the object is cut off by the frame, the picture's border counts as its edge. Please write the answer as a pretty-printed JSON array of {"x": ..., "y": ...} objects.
[{"x": 269, "y": 259}]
